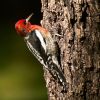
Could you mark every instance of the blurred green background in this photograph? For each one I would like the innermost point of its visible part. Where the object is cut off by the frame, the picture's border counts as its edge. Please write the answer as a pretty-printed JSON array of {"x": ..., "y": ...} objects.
[{"x": 21, "y": 75}]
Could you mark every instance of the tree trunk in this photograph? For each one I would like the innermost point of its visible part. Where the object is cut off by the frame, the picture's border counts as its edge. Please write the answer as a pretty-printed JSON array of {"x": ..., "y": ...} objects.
[{"x": 75, "y": 25}]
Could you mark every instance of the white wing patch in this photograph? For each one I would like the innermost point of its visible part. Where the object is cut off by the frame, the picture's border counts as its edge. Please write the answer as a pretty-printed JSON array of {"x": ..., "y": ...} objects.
[
  {"x": 38, "y": 34},
  {"x": 35, "y": 53}
]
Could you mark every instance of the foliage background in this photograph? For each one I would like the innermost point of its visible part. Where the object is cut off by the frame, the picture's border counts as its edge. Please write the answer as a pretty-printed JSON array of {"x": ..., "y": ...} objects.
[{"x": 21, "y": 75}]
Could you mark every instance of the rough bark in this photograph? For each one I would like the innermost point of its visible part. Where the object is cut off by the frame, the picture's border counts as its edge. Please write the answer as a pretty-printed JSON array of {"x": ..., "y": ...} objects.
[{"x": 78, "y": 23}]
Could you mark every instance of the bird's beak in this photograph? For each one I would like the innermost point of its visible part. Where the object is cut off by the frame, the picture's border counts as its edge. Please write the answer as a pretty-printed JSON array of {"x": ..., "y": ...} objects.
[{"x": 29, "y": 17}]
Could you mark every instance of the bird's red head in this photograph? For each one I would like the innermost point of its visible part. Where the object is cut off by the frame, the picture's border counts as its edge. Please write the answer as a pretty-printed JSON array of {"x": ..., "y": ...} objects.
[{"x": 23, "y": 26}]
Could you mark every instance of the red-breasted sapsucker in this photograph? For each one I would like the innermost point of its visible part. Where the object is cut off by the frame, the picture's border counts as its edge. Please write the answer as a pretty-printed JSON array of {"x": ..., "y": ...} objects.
[{"x": 42, "y": 46}]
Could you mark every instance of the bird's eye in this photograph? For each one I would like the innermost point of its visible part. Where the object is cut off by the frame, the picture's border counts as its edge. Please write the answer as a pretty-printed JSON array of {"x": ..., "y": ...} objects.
[
  {"x": 23, "y": 30},
  {"x": 24, "y": 22}
]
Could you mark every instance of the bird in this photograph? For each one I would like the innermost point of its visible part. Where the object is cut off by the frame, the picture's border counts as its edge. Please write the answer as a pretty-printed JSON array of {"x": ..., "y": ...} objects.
[{"x": 42, "y": 45}]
